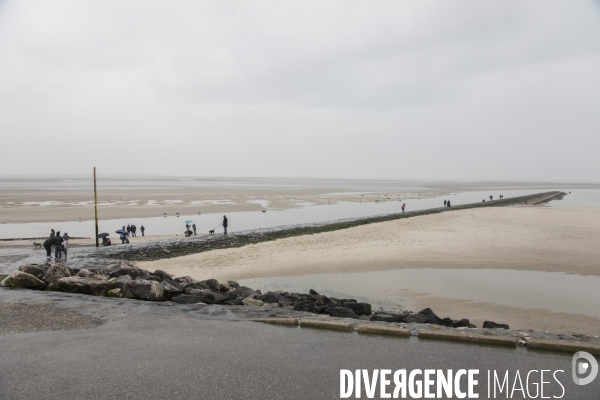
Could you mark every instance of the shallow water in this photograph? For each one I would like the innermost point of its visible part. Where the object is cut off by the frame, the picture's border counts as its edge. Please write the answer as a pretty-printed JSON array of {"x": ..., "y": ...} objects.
[
  {"x": 240, "y": 221},
  {"x": 558, "y": 292}
]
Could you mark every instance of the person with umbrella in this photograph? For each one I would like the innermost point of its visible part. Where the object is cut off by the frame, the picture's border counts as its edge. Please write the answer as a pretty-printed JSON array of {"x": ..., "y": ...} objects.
[{"x": 122, "y": 235}]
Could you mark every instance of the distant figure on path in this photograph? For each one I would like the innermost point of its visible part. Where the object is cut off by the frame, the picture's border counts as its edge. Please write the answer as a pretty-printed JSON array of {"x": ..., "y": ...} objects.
[
  {"x": 48, "y": 246},
  {"x": 491, "y": 198},
  {"x": 128, "y": 230},
  {"x": 133, "y": 228},
  {"x": 444, "y": 203},
  {"x": 194, "y": 228},
  {"x": 58, "y": 241},
  {"x": 187, "y": 226},
  {"x": 224, "y": 225},
  {"x": 142, "y": 229},
  {"x": 403, "y": 205},
  {"x": 52, "y": 234},
  {"x": 448, "y": 204},
  {"x": 66, "y": 239}
]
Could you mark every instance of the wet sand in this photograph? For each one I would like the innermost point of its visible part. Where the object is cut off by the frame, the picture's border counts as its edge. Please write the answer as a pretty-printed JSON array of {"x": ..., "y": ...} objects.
[
  {"x": 533, "y": 238},
  {"x": 72, "y": 205}
]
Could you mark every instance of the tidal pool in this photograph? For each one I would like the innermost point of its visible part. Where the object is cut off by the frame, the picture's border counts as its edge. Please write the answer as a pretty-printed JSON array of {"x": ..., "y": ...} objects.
[{"x": 553, "y": 291}]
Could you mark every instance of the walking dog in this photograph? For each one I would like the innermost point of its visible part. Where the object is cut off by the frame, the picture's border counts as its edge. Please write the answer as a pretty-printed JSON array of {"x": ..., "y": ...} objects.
[
  {"x": 212, "y": 232},
  {"x": 37, "y": 245}
]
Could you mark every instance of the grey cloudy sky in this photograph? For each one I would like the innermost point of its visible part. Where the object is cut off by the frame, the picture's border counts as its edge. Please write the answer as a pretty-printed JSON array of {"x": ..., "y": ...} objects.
[{"x": 493, "y": 90}]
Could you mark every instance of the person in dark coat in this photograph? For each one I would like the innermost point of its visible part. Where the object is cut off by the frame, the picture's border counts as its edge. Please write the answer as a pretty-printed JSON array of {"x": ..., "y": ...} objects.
[
  {"x": 128, "y": 230},
  {"x": 448, "y": 204},
  {"x": 48, "y": 246},
  {"x": 444, "y": 203},
  {"x": 194, "y": 228},
  {"x": 142, "y": 229},
  {"x": 52, "y": 234},
  {"x": 58, "y": 241},
  {"x": 133, "y": 229},
  {"x": 224, "y": 225}
]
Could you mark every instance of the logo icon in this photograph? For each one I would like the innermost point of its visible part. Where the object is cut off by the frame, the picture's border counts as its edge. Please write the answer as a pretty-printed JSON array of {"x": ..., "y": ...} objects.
[{"x": 580, "y": 367}]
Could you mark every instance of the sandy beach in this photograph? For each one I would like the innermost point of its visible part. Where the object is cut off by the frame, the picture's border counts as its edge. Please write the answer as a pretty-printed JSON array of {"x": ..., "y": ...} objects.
[{"x": 531, "y": 238}]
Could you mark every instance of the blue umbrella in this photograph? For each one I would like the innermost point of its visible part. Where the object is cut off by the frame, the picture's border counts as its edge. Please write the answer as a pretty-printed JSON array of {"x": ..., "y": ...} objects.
[
  {"x": 121, "y": 232},
  {"x": 187, "y": 221}
]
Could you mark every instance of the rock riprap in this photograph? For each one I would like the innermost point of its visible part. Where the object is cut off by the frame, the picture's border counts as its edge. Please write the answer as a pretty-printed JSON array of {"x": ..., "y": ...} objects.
[{"x": 128, "y": 281}]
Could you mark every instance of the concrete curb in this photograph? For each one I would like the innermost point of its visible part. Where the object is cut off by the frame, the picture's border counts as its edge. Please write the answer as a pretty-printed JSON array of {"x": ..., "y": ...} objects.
[
  {"x": 331, "y": 325},
  {"x": 276, "y": 321},
  {"x": 383, "y": 330},
  {"x": 562, "y": 346},
  {"x": 469, "y": 338}
]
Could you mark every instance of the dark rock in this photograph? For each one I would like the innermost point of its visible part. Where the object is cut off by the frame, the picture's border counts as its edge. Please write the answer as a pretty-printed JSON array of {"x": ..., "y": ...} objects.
[
  {"x": 119, "y": 283},
  {"x": 321, "y": 300},
  {"x": 341, "y": 312},
  {"x": 337, "y": 301},
  {"x": 233, "y": 284},
  {"x": 462, "y": 323},
  {"x": 124, "y": 269},
  {"x": 313, "y": 292},
  {"x": 244, "y": 291},
  {"x": 24, "y": 280},
  {"x": 306, "y": 305},
  {"x": 175, "y": 284},
  {"x": 170, "y": 290},
  {"x": 388, "y": 317},
  {"x": 348, "y": 301},
  {"x": 224, "y": 287},
  {"x": 208, "y": 296},
  {"x": 270, "y": 297},
  {"x": 210, "y": 284},
  {"x": 56, "y": 272},
  {"x": 76, "y": 284},
  {"x": 448, "y": 322},
  {"x": 236, "y": 302},
  {"x": 416, "y": 318},
  {"x": 143, "y": 290},
  {"x": 37, "y": 270},
  {"x": 431, "y": 317},
  {"x": 494, "y": 325},
  {"x": 149, "y": 278},
  {"x": 162, "y": 275},
  {"x": 284, "y": 302},
  {"x": 185, "y": 299},
  {"x": 359, "y": 308}
]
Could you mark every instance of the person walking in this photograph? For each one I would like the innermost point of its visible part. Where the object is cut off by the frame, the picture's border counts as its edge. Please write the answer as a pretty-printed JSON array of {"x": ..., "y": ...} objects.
[
  {"x": 448, "y": 204},
  {"x": 133, "y": 229},
  {"x": 52, "y": 234},
  {"x": 48, "y": 246},
  {"x": 58, "y": 241},
  {"x": 491, "y": 198},
  {"x": 194, "y": 229},
  {"x": 224, "y": 225},
  {"x": 444, "y": 203},
  {"x": 142, "y": 229},
  {"x": 403, "y": 205},
  {"x": 128, "y": 230}
]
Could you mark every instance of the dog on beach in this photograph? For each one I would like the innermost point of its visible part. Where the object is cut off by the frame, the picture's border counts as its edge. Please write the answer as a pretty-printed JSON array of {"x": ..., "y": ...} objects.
[
  {"x": 211, "y": 232},
  {"x": 37, "y": 245}
]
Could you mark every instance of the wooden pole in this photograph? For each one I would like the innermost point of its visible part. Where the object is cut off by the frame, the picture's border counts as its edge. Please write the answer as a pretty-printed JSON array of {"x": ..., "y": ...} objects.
[{"x": 96, "y": 207}]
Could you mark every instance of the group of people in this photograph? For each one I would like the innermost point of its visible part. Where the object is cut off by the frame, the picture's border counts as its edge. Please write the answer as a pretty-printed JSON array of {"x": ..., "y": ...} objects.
[
  {"x": 132, "y": 230},
  {"x": 188, "y": 232},
  {"x": 446, "y": 203},
  {"x": 60, "y": 244}
]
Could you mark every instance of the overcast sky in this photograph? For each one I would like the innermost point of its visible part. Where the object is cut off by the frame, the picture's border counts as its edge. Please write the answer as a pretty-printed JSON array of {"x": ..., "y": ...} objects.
[{"x": 457, "y": 90}]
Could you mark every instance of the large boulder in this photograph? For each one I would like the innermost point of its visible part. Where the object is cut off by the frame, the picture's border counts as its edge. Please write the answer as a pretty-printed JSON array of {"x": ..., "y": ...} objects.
[
  {"x": 37, "y": 270},
  {"x": 270, "y": 297},
  {"x": 435, "y": 320},
  {"x": 24, "y": 280},
  {"x": 249, "y": 301},
  {"x": 306, "y": 305},
  {"x": 210, "y": 284},
  {"x": 170, "y": 290},
  {"x": 162, "y": 275},
  {"x": 341, "y": 312},
  {"x": 143, "y": 290},
  {"x": 208, "y": 296},
  {"x": 119, "y": 283},
  {"x": 233, "y": 284},
  {"x": 244, "y": 291},
  {"x": 417, "y": 318},
  {"x": 494, "y": 325},
  {"x": 359, "y": 308},
  {"x": 321, "y": 300},
  {"x": 463, "y": 323},
  {"x": 76, "y": 284},
  {"x": 85, "y": 273},
  {"x": 124, "y": 269},
  {"x": 56, "y": 272}
]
